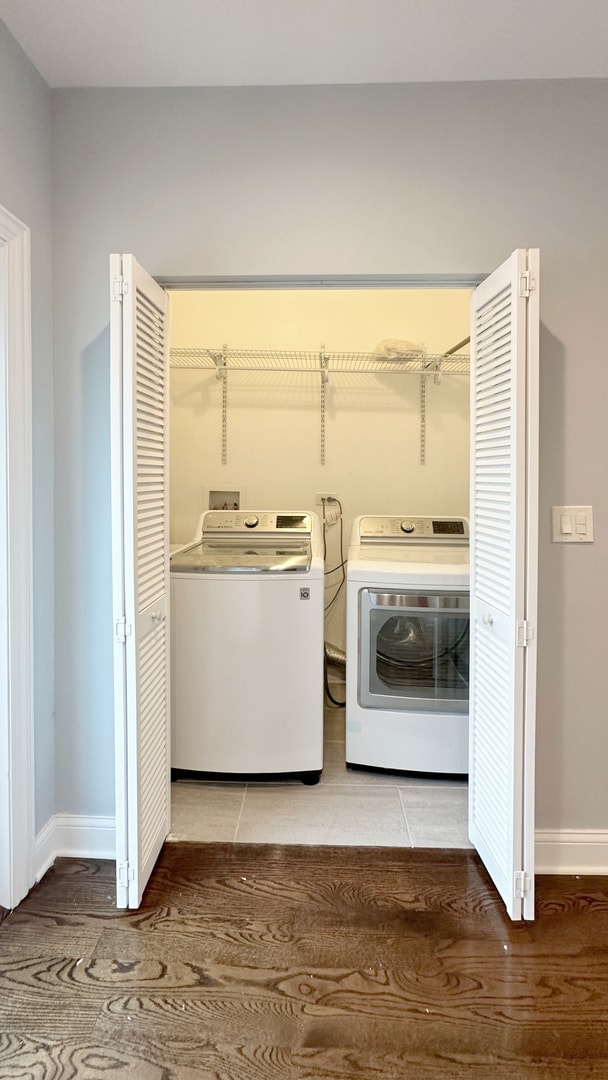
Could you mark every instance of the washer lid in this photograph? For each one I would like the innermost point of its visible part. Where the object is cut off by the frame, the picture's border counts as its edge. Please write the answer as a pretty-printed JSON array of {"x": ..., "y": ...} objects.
[{"x": 253, "y": 555}]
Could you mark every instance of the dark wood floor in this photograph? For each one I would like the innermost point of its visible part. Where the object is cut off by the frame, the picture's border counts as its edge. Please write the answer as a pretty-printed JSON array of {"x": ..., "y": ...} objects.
[{"x": 313, "y": 963}]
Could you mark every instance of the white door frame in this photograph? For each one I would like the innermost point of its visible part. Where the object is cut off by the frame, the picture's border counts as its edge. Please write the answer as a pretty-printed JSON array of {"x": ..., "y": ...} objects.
[{"x": 16, "y": 660}]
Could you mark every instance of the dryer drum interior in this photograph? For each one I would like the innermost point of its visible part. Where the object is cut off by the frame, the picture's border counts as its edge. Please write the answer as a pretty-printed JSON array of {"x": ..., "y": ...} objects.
[{"x": 414, "y": 652}]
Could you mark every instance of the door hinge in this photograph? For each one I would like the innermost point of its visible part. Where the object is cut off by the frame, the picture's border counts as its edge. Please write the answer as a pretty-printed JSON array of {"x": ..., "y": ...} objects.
[
  {"x": 126, "y": 873},
  {"x": 120, "y": 288},
  {"x": 527, "y": 284},
  {"x": 524, "y": 632},
  {"x": 521, "y": 884},
  {"x": 122, "y": 629}
]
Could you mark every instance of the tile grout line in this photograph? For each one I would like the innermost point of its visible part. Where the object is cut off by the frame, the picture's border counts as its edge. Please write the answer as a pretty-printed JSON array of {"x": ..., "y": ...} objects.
[
  {"x": 238, "y": 820},
  {"x": 407, "y": 827}
]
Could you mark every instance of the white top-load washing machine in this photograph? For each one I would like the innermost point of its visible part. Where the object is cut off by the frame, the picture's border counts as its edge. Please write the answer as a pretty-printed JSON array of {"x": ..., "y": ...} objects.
[
  {"x": 407, "y": 644},
  {"x": 247, "y": 646}
]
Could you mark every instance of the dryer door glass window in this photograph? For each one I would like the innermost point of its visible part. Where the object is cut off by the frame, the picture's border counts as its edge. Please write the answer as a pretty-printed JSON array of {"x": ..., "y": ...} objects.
[{"x": 415, "y": 650}]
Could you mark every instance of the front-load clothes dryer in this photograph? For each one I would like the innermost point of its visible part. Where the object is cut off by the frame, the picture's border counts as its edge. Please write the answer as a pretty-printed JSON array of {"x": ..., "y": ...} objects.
[
  {"x": 407, "y": 644},
  {"x": 247, "y": 646}
]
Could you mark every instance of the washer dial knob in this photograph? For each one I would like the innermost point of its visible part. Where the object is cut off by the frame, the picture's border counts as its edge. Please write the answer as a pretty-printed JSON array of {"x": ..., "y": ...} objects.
[
  {"x": 407, "y": 526},
  {"x": 251, "y": 521}
]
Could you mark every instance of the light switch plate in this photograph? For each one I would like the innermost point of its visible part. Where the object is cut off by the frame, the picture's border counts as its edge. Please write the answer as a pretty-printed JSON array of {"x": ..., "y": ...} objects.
[{"x": 572, "y": 524}]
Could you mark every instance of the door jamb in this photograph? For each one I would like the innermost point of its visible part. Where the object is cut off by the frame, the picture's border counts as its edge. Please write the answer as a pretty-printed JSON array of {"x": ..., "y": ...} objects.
[{"x": 16, "y": 709}]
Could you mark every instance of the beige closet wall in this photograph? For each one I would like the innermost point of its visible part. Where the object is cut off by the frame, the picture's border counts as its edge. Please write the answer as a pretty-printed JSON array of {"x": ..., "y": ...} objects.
[{"x": 273, "y": 425}]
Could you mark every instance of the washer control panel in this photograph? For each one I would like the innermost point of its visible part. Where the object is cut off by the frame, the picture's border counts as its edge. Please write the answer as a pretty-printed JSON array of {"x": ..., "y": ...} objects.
[
  {"x": 256, "y": 521},
  {"x": 444, "y": 530}
]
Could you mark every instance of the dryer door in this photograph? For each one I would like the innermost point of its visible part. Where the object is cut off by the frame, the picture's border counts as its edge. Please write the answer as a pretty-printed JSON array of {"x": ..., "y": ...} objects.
[{"x": 414, "y": 650}]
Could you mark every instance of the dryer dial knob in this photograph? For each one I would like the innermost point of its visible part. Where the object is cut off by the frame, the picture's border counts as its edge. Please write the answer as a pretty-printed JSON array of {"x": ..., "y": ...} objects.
[
  {"x": 407, "y": 526},
  {"x": 251, "y": 522}
]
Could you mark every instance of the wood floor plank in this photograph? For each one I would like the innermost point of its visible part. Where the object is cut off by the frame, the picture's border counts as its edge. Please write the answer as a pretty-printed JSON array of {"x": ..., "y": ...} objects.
[
  {"x": 258, "y": 1018},
  {"x": 22, "y": 1058},
  {"x": 471, "y": 989},
  {"x": 254, "y": 943},
  {"x": 246, "y": 891},
  {"x": 25, "y": 939},
  {"x": 83, "y": 869},
  {"x": 490, "y": 1038},
  {"x": 28, "y": 1014},
  {"x": 237, "y": 1018}
]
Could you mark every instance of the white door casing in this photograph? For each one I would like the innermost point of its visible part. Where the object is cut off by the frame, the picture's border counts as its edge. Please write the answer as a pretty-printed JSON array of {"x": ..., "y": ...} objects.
[
  {"x": 16, "y": 638},
  {"x": 140, "y": 544},
  {"x": 504, "y": 565},
  {"x": 504, "y": 537}
]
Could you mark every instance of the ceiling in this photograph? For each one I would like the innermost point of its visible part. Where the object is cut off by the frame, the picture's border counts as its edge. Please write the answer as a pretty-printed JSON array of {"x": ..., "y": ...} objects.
[{"x": 290, "y": 42}]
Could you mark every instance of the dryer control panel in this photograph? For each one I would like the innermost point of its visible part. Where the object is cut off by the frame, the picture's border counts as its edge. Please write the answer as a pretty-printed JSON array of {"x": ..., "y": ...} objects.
[{"x": 443, "y": 530}]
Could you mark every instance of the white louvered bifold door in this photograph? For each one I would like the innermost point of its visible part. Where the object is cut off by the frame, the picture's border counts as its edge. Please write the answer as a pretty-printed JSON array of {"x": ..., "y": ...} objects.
[
  {"x": 141, "y": 573},
  {"x": 504, "y": 536}
]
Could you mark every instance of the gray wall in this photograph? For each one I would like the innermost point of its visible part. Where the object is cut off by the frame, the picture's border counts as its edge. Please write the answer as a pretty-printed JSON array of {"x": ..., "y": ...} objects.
[
  {"x": 417, "y": 179},
  {"x": 25, "y": 190}
]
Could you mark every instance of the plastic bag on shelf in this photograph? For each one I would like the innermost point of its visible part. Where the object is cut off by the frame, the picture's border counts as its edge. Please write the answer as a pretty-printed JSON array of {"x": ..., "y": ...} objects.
[{"x": 397, "y": 349}]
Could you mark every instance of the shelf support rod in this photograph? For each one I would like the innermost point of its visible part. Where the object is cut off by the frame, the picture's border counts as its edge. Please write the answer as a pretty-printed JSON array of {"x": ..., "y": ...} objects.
[
  {"x": 423, "y": 419},
  {"x": 222, "y": 373},
  {"x": 324, "y": 380},
  {"x": 458, "y": 347}
]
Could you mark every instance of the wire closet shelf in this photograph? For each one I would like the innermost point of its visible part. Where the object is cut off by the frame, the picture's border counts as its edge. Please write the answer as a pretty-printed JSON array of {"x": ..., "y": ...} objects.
[{"x": 325, "y": 364}]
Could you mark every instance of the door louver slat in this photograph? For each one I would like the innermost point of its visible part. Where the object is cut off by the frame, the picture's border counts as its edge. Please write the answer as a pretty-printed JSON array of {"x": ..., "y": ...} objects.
[
  {"x": 151, "y": 441},
  {"x": 153, "y": 706},
  {"x": 492, "y": 421},
  {"x": 151, "y": 546},
  {"x": 492, "y": 720}
]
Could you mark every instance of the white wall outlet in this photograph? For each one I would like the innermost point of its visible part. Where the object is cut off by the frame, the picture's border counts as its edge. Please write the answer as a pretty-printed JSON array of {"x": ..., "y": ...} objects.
[
  {"x": 572, "y": 524},
  {"x": 324, "y": 495}
]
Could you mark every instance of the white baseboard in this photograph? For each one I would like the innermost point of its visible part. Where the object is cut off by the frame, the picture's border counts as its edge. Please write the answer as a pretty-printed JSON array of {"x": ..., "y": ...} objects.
[
  {"x": 74, "y": 836},
  {"x": 558, "y": 851},
  {"x": 562, "y": 851}
]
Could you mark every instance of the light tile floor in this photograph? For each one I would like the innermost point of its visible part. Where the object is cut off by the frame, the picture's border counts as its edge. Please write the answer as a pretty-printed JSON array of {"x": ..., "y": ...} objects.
[{"x": 348, "y": 806}]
